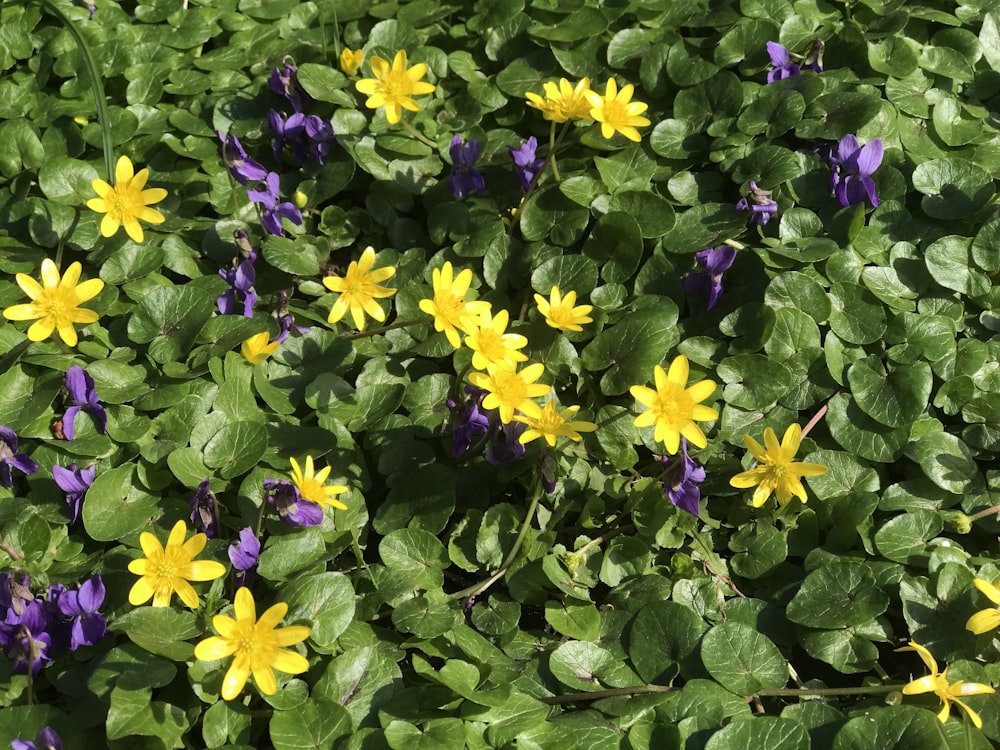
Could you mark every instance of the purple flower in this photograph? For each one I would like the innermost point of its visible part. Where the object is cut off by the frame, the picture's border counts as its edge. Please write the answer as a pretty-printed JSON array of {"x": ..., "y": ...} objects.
[
  {"x": 713, "y": 262},
  {"x": 47, "y": 739},
  {"x": 75, "y": 482},
  {"x": 293, "y": 509},
  {"x": 28, "y": 643},
  {"x": 241, "y": 279},
  {"x": 526, "y": 164},
  {"x": 759, "y": 202},
  {"x": 506, "y": 448},
  {"x": 321, "y": 137},
  {"x": 9, "y": 457},
  {"x": 87, "y": 624},
  {"x": 469, "y": 421},
  {"x": 464, "y": 178},
  {"x": 80, "y": 388},
  {"x": 287, "y": 131},
  {"x": 241, "y": 167},
  {"x": 680, "y": 480},
  {"x": 852, "y": 166},
  {"x": 285, "y": 320},
  {"x": 272, "y": 209},
  {"x": 782, "y": 62},
  {"x": 816, "y": 54},
  {"x": 283, "y": 82},
  {"x": 244, "y": 556},
  {"x": 205, "y": 510}
]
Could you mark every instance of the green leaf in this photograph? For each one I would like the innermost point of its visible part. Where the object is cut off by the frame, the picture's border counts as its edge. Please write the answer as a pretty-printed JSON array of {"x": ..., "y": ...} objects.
[
  {"x": 67, "y": 181},
  {"x": 117, "y": 506},
  {"x": 949, "y": 263},
  {"x": 579, "y": 664},
  {"x": 632, "y": 347},
  {"x": 838, "y": 595},
  {"x": 753, "y": 381},
  {"x": 947, "y": 461},
  {"x": 437, "y": 734},
  {"x": 771, "y": 732},
  {"x": 361, "y": 680},
  {"x": 769, "y": 166},
  {"x": 662, "y": 635},
  {"x": 161, "y": 631},
  {"x": 891, "y": 728},
  {"x": 615, "y": 243},
  {"x": 169, "y": 319},
  {"x": 859, "y": 433},
  {"x": 293, "y": 256},
  {"x": 25, "y": 395},
  {"x": 894, "y": 56},
  {"x": 133, "y": 713},
  {"x": 759, "y": 549},
  {"x": 903, "y": 538},
  {"x": 284, "y": 555},
  {"x": 577, "y": 620},
  {"x": 226, "y": 722},
  {"x": 832, "y": 115},
  {"x": 417, "y": 552},
  {"x": 571, "y": 273},
  {"x": 895, "y": 397},
  {"x": 551, "y": 215},
  {"x": 325, "y": 601},
  {"x": 653, "y": 213},
  {"x": 952, "y": 188},
  {"x": 313, "y": 725},
  {"x": 857, "y": 316},
  {"x": 236, "y": 448},
  {"x": 324, "y": 84},
  {"x": 427, "y": 616},
  {"x": 743, "y": 660}
]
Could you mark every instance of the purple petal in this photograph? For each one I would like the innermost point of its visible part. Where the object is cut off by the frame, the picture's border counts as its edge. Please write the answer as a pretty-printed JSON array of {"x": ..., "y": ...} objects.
[
  {"x": 716, "y": 260},
  {"x": 87, "y": 630},
  {"x": 69, "y": 480},
  {"x": 778, "y": 54},
  {"x": 68, "y": 418},
  {"x": 9, "y": 437},
  {"x": 24, "y": 464},
  {"x": 868, "y": 158},
  {"x": 846, "y": 147},
  {"x": 91, "y": 594},
  {"x": 78, "y": 384}
]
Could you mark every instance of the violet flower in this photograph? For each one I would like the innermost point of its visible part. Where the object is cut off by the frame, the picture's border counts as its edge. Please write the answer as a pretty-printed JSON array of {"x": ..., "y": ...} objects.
[
  {"x": 526, "y": 163},
  {"x": 283, "y": 82},
  {"x": 759, "y": 202},
  {"x": 321, "y": 137},
  {"x": 506, "y": 448},
  {"x": 205, "y": 510},
  {"x": 272, "y": 209},
  {"x": 285, "y": 320},
  {"x": 816, "y": 54},
  {"x": 11, "y": 458},
  {"x": 75, "y": 482},
  {"x": 293, "y": 509},
  {"x": 469, "y": 421},
  {"x": 852, "y": 166},
  {"x": 88, "y": 626},
  {"x": 244, "y": 555},
  {"x": 680, "y": 480},
  {"x": 241, "y": 279},
  {"x": 713, "y": 262},
  {"x": 46, "y": 739},
  {"x": 240, "y": 165},
  {"x": 83, "y": 395},
  {"x": 28, "y": 645},
  {"x": 287, "y": 131},
  {"x": 782, "y": 61},
  {"x": 464, "y": 177}
]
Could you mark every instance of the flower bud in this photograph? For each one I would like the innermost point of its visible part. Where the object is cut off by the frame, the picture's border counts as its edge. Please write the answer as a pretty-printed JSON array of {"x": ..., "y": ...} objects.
[{"x": 300, "y": 199}]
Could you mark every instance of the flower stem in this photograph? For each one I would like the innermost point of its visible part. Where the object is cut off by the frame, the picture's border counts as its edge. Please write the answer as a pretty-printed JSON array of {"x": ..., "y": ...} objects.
[
  {"x": 711, "y": 566},
  {"x": 418, "y": 135},
  {"x": 789, "y": 692},
  {"x": 818, "y": 415},
  {"x": 519, "y": 211},
  {"x": 983, "y": 513},
  {"x": 383, "y": 329}
]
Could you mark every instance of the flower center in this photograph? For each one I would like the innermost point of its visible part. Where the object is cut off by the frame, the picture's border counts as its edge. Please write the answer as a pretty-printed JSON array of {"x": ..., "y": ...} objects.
[
  {"x": 54, "y": 302},
  {"x": 615, "y": 114},
  {"x": 509, "y": 388},
  {"x": 561, "y": 315},
  {"x": 396, "y": 86},
  {"x": 120, "y": 202},
  {"x": 310, "y": 489},
  {"x": 673, "y": 405}
]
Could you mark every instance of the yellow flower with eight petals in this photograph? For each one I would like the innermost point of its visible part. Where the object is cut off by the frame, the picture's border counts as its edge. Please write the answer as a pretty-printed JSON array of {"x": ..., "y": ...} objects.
[
  {"x": 563, "y": 102},
  {"x": 395, "y": 86},
  {"x": 509, "y": 390},
  {"x": 350, "y": 60},
  {"x": 166, "y": 570},
  {"x": 448, "y": 304},
  {"x": 312, "y": 484},
  {"x": 673, "y": 407},
  {"x": 549, "y": 423},
  {"x": 257, "y": 348},
  {"x": 490, "y": 343},
  {"x": 776, "y": 472},
  {"x": 256, "y": 645},
  {"x": 616, "y": 111},
  {"x": 126, "y": 202},
  {"x": 985, "y": 620},
  {"x": 358, "y": 290},
  {"x": 55, "y": 302},
  {"x": 938, "y": 684},
  {"x": 563, "y": 313}
]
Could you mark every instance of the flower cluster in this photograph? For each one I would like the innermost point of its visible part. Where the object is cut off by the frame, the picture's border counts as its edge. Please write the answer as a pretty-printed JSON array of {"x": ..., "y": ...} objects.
[
  {"x": 614, "y": 110},
  {"x": 301, "y": 500}
]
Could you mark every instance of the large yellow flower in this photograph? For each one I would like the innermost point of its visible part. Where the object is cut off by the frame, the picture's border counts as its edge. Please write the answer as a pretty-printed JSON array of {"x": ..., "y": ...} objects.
[
  {"x": 490, "y": 343},
  {"x": 509, "y": 390},
  {"x": 55, "y": 303},
  {"x": 776, "y": 472},
  {"x": 448, "y": 305},
  {"x": 394, "y": 87},
  {"x": 616, "y": 111},
  {"x": 563, "y": 102},
  {"x": 938, "y": 684},
  {"x": 985, "y": 620},
  {"x": 673, "y": 407},
  {"x": 549, "y": 423},
  {"x": 312, "y": 484},
  {"x": 255, "y": 645},
  {"x": 166, "y": 570},
  {"x": 358, "y": 290},
  {"x": 563, "y": 313},
  {"x": 258, "y": 348},
  {"x": 126, "y": 203}
]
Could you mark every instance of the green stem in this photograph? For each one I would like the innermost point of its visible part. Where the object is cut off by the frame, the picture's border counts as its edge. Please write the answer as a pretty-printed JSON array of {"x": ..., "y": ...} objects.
[
  {"x": 383, "y": 329},
  {"x": 519, "y": 211},
  {"x": 790, "y": 692},
  {"x": 983, "y": 513},
  {"x": 418, "y": 135},
  {"x": 711, "y": 566}
]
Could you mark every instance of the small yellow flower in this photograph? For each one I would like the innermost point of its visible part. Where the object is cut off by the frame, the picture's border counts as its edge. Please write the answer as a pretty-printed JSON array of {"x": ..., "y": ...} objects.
[
  {"x": 350, "y": 60},
  {"x": 166, "y": 570},
  {"x": 358, "y": 290},
  {"x": 776, "y": 471},
  {"x": 559, "y": 312},
  {"x": 126, "y": 203},
  {"x": 985, "y": 620},
  {"x": 256, "y": 645},
  {"x": 394, "y": 87},
  {"x": 509, "y": 390},
  {"x": 312, "y": 485},
  {"x": 55, "y": 302},
  {"x": 490, "y": 343},
  {"x": 616, "y": 111},
  {"x": 673, "y": 407},
  {"x": 448, "y": 305},
  {"x": 256, "y": 348},
  {"x": 938, "y": 684},
  {"x": 550, "y": 423},
  {"x": 563, "y": 102}
]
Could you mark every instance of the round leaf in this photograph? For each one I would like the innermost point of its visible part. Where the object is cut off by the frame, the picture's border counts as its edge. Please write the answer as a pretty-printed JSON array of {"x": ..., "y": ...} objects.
[
  {"x": 743, "y": 660},
  {"x": 838, "y": 595}
]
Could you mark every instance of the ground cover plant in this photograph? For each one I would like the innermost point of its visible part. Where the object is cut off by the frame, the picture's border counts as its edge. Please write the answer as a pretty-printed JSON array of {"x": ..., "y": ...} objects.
[{"x": 499, "y": 374}]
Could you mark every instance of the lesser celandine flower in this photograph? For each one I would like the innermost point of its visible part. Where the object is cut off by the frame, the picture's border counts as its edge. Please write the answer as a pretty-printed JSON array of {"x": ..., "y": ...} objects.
[
  {"x": 55, "y": 302},
  {"x": 775, "y": 470},
  {"x": 258, "y": 348},
  {"x": 563, "y": 102},
  {"x": 167, "y": 570},
  {"x": 312, "y": 484},
  {"x": 550, "y": 424},
  {"x": 394, "y": 86},
  {"x": 358, "y": 290},
  {"x": 350, "y": 60},
  {"x": 490, "y": 343},
  {"x": 509, "y": 390},
  {"x": 616, "y": 111},
  {"x": 257, "y": 646},
  {"x": 939, "y": 685},
  {"x": 673, "y": 407},
  {"x": 126, "y": 202},
  {"x": 985, "y": 620},
  {"x": 562, "y": 313},
  {"x": 448, "y": 305}
]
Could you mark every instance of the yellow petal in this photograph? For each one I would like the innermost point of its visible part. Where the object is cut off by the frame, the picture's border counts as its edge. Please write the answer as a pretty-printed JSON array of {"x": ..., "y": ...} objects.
[
  {"x": 213, "y": 648},
  {"x": 234, "y": 682},
  {"x": 983, "y": 621},
  {"x": 290, "y": 662},
  {"x": 990, "y": 590}
]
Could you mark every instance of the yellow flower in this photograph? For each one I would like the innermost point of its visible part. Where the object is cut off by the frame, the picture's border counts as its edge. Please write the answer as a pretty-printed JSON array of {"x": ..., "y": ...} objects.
[
  {"x": 256, "y": 645},
  {"x": 312, "y": 485},
  {"x": 350, "y": 60},
  {"x": 490, "y": 343},
  {"x": 775, "y": 470},
  {"x": 509, "y": 390},
  {"x": 394, "y": 86},
  {"x": 616, "y": 111},
  {"x": 549, "y": 423},
  {"x": 168, "y": 570},
  {"x": 55, "y": 303},
  {"x": 256, "y": 348},
  {"x": 564, "y": 102},
  {"x": 448, "y": 306},
  {"x": 938, "y": 684},
  {"x": 359, "y": 289},
  {"x": 126, "y": 202},
  {"x": 560, "y": 313},
  {"x": 985, "y": 619},
  {"x": 673, "y": 407}
]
